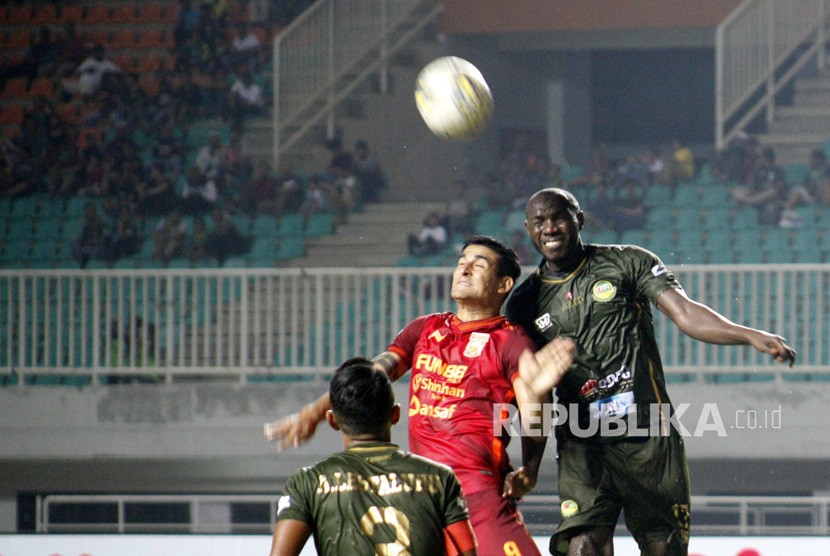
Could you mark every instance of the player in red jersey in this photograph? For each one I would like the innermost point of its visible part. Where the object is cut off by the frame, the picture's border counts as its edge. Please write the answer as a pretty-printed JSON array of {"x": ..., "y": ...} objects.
[{"x": 463, "y": 365}]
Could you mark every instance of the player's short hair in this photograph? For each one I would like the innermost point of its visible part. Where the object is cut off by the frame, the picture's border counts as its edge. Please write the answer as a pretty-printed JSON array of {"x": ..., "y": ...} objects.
[
  {"x": 361, "y": 397},
  {"x": 570, "y": 200},
  {"x": 508, "y": 263}
]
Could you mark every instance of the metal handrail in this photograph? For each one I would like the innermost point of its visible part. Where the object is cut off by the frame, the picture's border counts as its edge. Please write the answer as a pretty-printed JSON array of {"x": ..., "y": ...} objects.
[{"x": 758, "y": 49}]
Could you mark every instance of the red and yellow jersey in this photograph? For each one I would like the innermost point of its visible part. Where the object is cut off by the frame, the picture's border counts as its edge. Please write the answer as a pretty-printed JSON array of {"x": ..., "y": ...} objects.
[{"x": 459, "y": 371}]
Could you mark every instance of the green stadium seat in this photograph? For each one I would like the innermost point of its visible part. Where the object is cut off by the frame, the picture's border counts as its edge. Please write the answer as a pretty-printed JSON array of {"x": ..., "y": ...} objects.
[
  {"x": 290, "y": 224},
  {"x": 490, "y": 223},
  {"x": 320, "y": 224}
]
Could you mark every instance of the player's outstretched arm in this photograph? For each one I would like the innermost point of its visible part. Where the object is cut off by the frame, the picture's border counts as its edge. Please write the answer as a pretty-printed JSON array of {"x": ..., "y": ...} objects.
[
  {"x": 538, "y": 373},
  {"x": 704, "y": 324},
  {"x": 297, "y": 428}
]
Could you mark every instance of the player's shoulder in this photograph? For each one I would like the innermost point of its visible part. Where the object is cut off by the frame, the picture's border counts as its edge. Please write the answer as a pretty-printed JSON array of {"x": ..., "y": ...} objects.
[
  {"x": 425, "y": 464},
  {"x": 622, "y": 253}
]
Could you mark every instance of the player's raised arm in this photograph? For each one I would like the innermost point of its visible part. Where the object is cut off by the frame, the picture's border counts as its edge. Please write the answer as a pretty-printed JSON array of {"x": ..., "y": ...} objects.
[
  {"x": 538, "y": 373},
  {"x": 298, "y": 428},
  {"x": 703, "y": 323}
]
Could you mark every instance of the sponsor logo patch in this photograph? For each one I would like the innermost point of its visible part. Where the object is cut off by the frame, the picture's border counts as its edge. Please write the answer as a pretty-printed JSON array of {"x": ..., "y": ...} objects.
[
  {"x": 658, "y": 269},
  {"x": 543, "y": 322}
]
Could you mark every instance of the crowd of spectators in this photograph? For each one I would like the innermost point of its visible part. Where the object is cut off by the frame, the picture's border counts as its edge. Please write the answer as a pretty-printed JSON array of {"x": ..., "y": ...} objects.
[{"x": 134, "y": 149}]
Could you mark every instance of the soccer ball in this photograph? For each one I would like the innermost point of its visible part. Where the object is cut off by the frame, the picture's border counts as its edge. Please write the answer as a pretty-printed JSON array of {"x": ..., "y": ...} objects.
[{"x": 453, "y": 98}]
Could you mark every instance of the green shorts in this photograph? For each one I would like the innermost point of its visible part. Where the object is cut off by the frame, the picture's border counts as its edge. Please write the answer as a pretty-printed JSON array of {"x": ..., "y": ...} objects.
[{"x": 647, "y": 478}]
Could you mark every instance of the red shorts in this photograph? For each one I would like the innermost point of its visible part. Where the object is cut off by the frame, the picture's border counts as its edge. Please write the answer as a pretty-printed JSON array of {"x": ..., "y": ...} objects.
[{"x": 498, "y": 525}]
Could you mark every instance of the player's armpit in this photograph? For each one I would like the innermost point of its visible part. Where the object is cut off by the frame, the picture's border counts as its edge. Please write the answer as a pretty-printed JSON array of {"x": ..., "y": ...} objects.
[
  {"x": 459, "y": 539},
  {"x": 290, "y": 536}
]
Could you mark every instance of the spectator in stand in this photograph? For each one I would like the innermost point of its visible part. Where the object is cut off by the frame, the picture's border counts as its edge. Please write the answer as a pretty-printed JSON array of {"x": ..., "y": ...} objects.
[
  {"x": 368, "y": 172},
  {"x": 518, "y": 243},
  {"x": 196, "y": 248},
  {"x": 245, "y": 98},
  {"x": 597, "y": 167},
  {"x": 459, "y": 210},
  {"x": 187, "y": 21},
  {"x": 169, "y": 237},
  {"x": 261, "y": 194},
  {"x": 92, "y": 240},
  {"x": 290, "y": 189},
  {"x": 431, "y": 239},
  {"x": 633, "y": 169},
  {"x": 600, "y": 211},
  {"x": 18, "y": 175},
  {"x": 224, "y": 239},
  {"x": 200, "y": 194},
  {"x": 735, "y": 162},
  {"x": 345, "y": 191},
  {"x": 123, "y": 239},
  {"x": 245, "y": 50},
  {"x": 235, "y": 158},
  {"x": 155, "y": 194},
  {"x": 656, "y": 167},
  {"x": 815, "y": 190},
  {"x": 90, "y": 74},
  {"x": 629, "y": 210},
  {"x": 209, "y": 160},
  {"x": 767, "y": 190},
  {"x": 315, "y": 199},
  {"x": 682, "y": 164}
]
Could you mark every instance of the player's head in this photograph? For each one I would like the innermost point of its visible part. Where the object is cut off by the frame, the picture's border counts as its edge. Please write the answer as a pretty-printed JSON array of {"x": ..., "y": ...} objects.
[
  {"x": 362, "y": 400},
  {"x": 486, "y": 272},
  {"x": 553, "y": 221}
]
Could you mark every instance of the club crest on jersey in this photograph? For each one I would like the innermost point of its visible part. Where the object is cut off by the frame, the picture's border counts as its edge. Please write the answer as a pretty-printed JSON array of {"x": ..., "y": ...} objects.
[
  {"x": 603, "y": 291},
  {"x": 476, "y": 344}
]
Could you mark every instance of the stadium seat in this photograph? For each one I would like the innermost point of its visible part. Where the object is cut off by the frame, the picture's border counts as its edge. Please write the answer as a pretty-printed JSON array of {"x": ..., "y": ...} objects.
[
  {"x": 20, "y": 14},
  {"x": 151, "y": 13},
  {"x": 150, "y": 38},
  {"x": 96, "y": 14},
  {"x": 290, "y": 225},
  {"x": 123, "y": 13},
  {"x": 12, "y": 114},
  {"x": 123, "y": 38},
  {"x": 290, "y": 247},
  {"x": 15, "y": 87},
  {"x": 320, "y": 224},
  {"x": 72, "y": 12},
  {"x": 42, "y": 86},
  {"x": 147, "y": 64},
  {"x": 490, "y": 223},
  {"x": 18, "y": 39},
  {"x": 45, "y": 14}
]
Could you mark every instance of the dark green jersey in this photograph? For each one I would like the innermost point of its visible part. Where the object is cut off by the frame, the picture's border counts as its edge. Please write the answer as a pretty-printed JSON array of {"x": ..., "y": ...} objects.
[
  {"x": 605, "y": 306},
  {"x": 375, "y": 499}
]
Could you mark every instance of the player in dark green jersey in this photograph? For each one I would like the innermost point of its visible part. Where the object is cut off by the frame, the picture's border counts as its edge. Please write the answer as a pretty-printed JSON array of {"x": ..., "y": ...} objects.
[
  {"x": 371, "y": 498},
  {"x": 601, "y": 297}
]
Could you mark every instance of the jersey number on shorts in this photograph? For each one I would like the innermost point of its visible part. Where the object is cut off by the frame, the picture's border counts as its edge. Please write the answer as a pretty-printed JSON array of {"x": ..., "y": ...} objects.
[{"x": 393, "y": 518}]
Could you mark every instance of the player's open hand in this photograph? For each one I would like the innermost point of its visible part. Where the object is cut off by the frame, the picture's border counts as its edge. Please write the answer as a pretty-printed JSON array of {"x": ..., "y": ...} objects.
[
  {"x": 543, "y": 370},
  {"x": 291, "y": 431},
  {"x": 776, "y": 346},
  {"x": 518, "y": 483}
]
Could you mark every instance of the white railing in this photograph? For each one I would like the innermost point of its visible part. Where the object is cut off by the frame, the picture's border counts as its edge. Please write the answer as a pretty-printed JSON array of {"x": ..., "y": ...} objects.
[
  {"x": 243, "y": 323},
  {"x": 329, "y": 51},
  {"x": 205, "y": 514},
  {"x": 758, "y": 49}
]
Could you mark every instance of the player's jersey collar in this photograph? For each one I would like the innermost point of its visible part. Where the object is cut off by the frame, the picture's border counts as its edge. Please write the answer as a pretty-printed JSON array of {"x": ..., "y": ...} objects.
[
  {"x": 469, "y": 326},
  {"x": 364, "y": 448},
  {"x": 550, "y": 279}
]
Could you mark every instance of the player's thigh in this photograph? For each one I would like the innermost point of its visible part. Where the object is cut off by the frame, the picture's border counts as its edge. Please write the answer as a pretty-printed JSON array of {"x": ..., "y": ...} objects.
[
  {"x": 653, "y": 481},
  {"x": 498, "y": 526},
  {"x": 590, "y": 505}
]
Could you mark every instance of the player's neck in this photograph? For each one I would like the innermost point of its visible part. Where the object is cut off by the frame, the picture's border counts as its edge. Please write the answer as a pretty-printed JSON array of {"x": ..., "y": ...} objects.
[
  {"x": 467, "y": 313},
  {"x": 354, "y": 441},
  {"x": 567, "y": 264}
]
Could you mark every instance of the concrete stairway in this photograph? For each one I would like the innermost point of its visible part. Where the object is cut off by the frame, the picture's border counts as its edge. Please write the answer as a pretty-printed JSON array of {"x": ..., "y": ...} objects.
[
  {"x": 804, "y": 126},
  {"x": 372, "y": 238}
]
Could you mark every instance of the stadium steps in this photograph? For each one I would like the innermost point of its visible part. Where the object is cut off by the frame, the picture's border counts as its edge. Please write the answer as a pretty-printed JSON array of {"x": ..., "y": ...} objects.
[{"x": 373, "y": 237}]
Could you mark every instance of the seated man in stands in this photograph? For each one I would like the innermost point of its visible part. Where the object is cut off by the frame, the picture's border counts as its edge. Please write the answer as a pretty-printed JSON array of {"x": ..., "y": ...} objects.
[{"x": 432, "y": 237}]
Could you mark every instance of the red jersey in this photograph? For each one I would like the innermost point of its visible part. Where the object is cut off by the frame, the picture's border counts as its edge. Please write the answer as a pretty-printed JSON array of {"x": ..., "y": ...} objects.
[{"x": 459, "y": 370}]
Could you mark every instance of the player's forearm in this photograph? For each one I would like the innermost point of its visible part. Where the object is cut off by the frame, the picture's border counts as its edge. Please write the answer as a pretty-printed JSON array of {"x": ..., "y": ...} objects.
[
  {"x": 533, "y": 449},
  {"x": 316, "y": 410}
]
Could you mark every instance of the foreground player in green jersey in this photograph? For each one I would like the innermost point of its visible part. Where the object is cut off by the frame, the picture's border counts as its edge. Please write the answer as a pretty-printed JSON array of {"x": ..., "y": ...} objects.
[
  {"x": 601, "y": 296},
  {"x": 372, "y": 498}
]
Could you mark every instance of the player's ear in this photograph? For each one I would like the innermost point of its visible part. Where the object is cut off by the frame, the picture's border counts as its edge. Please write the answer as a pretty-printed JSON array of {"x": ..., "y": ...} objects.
[
  {"x": 506, "y": 284},
  {"x": 580, "y": 219},
  {"x": 332, "y": 420},
  {"x": 396, "y": 414}
]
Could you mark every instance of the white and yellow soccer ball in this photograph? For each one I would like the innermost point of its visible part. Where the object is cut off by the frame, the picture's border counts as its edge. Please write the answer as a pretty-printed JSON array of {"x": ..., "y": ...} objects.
[{"x": 453, "y": 98}]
